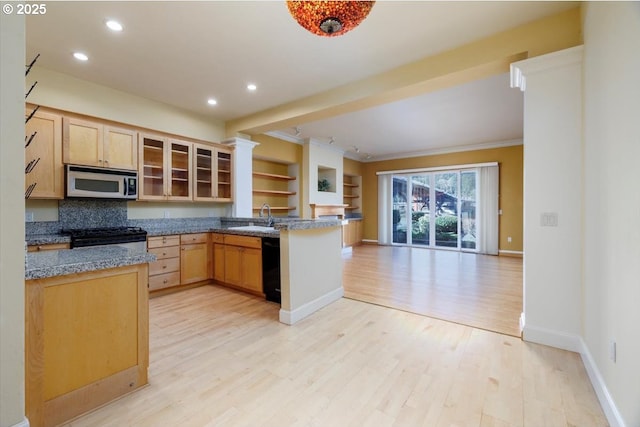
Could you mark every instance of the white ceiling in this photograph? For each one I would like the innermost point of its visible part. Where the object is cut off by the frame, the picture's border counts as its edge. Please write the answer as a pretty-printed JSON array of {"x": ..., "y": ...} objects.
[{"x": 183, "y": 53}]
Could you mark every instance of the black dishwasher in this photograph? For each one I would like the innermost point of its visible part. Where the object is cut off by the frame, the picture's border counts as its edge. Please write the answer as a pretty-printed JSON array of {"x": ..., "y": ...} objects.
[{"x": 271, "y": 268}]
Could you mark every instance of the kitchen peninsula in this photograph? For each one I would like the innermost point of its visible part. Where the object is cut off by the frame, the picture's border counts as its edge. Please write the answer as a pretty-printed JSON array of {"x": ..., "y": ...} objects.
[{"x": 86, "y": 330}]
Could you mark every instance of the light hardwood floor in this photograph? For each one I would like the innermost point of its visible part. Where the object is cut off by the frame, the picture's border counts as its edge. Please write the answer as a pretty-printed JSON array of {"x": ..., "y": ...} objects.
[
  {"x": 483, "y": 291},
  {"x": 221, "y": 358}
]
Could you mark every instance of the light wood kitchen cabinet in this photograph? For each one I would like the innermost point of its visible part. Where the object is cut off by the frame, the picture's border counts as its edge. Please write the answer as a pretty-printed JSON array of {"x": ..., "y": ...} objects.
[
  {"x": 218, "y": 256},
  {"x": 212, "y": 173},
  {"x": 45, "y": 149},
  {"x": 86, "y": 341},
  {"x": 165, "y": 168},
  {"x": 243, "y": 263},
  {"x": 224, "y": 168},
  {"x": 91, "y": 143},
  {"x": 194, "y": 258},
  {"x": 352, "y": 233},
  {"x": 165, "y": 272}
]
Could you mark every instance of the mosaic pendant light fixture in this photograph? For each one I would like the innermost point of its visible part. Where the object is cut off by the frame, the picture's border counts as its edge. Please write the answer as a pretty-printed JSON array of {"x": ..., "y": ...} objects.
[{"x": 329, "y": 18}]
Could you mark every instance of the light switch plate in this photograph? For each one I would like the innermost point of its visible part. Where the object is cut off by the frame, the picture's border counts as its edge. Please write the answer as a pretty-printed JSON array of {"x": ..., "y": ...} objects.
[{"x": 549, "y": 219}]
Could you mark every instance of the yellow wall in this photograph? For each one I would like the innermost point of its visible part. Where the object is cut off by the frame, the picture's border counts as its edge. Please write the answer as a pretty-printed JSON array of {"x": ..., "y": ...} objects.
[
  {"x": 510, "y": 162},
  {"x": 352, "y": 167},
  {"x": 275, "y": 149}
]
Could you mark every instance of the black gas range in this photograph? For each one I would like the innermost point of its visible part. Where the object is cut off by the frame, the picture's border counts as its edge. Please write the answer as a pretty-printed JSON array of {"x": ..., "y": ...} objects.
[{"x": 133, "y": 237}]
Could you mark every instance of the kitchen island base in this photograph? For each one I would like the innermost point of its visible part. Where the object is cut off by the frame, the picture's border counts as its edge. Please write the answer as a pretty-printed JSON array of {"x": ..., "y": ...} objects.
[{"x": 87, "y": 341}]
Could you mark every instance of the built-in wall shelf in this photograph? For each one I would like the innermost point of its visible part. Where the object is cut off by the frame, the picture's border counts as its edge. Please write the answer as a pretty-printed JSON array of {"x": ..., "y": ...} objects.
[
  {"x": 351, "y": 192},
  {"x": 274, "y": 176},
  {"x": 276, "y": 208},
  {"x": 276, "y": 184},
  {"x": 275, "y": 192}
]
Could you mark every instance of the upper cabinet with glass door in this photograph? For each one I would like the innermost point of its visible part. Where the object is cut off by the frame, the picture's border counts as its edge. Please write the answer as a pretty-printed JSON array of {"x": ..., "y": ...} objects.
[
  {"x": 165, "y": 168},
  {"x": 224, "y": 168},
  {"x": 212, "y": 180}
]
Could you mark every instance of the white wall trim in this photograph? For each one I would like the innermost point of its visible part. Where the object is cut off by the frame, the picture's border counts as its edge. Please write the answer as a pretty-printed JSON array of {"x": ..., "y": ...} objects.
[
  {"x": 561, "y": 340},
  {"x": 290, "y": 317},
  {"x": 370, "y": 241},
  {"x": 549, "y": 61},
  {"x": 445, "y": 150},
  {"x": 606, "y": 400},
  {"x": 522, "y": 322},
  {"x": 23, "y": 423},
  {"x": 438, "y": 168},
  {"x": 503, "y": 251},
  {"x": 284, "y": 136}
]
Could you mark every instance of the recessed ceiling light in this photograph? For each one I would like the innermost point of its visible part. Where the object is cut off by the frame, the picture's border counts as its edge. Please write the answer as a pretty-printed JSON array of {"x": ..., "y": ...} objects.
[
  {"x": 114, "y": 25},
  {"x": 252, "y": 87},
  {"x": 80, "y": 56},
  {"x": 212, "y": 101}
]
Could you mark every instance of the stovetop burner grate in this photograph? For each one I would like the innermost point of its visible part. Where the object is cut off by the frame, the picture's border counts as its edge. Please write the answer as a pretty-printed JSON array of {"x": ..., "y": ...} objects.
[{"x": 105, "y": 236}]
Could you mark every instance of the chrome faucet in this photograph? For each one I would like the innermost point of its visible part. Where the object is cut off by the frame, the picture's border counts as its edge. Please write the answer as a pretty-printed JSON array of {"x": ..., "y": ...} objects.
[{"x": 269, "y": 217}]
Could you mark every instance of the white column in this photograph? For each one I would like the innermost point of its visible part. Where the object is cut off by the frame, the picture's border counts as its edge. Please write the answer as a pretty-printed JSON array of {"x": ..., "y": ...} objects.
[
  {"x": 12, "y": 88},
  {"x": 552, "y": 196},
  {"x": 242, "y": 176}
]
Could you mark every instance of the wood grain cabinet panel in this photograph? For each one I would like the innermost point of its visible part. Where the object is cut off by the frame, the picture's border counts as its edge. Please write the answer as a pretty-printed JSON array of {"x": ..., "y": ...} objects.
[
  {"x": 165, "y": 272},
  {"x": 92, "y": 143},
  {"x": 86, "y": 341},
  {"x": 243, "y": 263},
  {"x": 194, "y": 258},
  {"x": 45, "y": 149}
]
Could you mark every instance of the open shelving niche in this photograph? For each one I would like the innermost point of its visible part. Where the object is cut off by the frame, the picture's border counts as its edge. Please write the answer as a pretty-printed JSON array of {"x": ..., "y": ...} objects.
[
  {"x": 276, "y": 184},
  {"x": 352, "y": 193}
]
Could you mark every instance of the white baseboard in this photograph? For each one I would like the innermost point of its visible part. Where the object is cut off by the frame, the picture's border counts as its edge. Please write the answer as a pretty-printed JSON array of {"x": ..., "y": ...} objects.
[
  {"x": 606, "y": 400},
  {"x": 512, "y": 253},
  {"x": 522, "y": 322},
  {"x": 552, "y": 338},
  {"x": 23, "y": 423},
  {"x": 291, "y": 317},
  {"x": 371, "y": 241},
  {"x": 576, "y": 344}
]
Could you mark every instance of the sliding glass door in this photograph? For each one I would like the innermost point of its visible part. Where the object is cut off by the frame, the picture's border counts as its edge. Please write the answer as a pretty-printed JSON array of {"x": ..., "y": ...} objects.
[
  {"x": 447, "y": 220},
  {"x": 399, "y": 217},
  {"x": 435, "y": 209}
]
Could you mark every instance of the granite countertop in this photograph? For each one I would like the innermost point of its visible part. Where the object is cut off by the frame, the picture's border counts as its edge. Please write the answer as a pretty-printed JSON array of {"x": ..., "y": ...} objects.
[
  {"x": 39, "y": 265},
  {"x": 46, "y": 239}
]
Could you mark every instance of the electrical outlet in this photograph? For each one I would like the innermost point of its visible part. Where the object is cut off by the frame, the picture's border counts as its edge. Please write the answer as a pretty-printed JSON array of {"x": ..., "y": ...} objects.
[
  {"x": 509, "y": 239},
  {"x": 613, "y": 351},
  {"x": 28, "y": 216},
  {"x": 167, "y": 214}
]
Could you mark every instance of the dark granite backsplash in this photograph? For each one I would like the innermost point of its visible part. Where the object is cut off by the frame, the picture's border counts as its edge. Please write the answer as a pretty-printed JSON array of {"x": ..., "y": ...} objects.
[
  {"x": 85, "y": 213},
  {"x": 91, "y": 213}
]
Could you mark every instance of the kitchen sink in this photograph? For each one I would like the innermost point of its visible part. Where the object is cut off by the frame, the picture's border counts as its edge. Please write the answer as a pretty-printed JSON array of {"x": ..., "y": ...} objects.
[{"x": 253, "y": 228}]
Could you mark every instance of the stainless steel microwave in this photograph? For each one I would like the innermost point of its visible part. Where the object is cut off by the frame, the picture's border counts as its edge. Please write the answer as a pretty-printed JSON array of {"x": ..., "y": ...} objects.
[{"x": 101, "y": 183}]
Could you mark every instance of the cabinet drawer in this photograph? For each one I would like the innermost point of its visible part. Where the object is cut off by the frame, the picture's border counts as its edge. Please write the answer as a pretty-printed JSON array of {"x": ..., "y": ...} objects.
[
  {"x": 194, "y": 238},
  {"x": 217, "y": 238},
  {"x": 166, "y": 252},
  {"x": 164, "y": 280},
  {"x": 246, "y": 241},
  {"x": 162, "y": 241},
  {"x": 47, "y": 247},
  {"x": 164, "y": 266}
]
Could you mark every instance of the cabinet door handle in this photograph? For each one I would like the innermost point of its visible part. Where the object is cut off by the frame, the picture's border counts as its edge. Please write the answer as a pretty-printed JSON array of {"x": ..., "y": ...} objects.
[
  {"x": 164, "y": 266},
  {"x": 165, "y": 281},
  {"x": 164, "y": 254}
]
